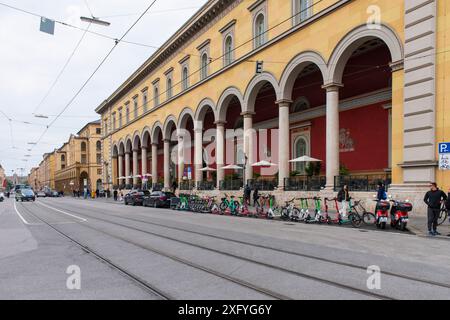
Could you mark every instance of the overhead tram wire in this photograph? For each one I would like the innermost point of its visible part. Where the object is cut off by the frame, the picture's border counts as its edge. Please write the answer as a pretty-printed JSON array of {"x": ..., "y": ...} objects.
[
  {"x": 62, "y": 70},
  {"x": 93, "y": 73}
]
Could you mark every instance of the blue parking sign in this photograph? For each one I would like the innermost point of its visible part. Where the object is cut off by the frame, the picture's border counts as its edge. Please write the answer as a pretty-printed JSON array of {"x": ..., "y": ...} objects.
[{"x": 444, "y": 148}]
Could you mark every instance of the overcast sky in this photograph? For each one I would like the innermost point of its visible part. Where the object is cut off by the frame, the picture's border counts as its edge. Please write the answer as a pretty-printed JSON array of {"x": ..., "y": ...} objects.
[{"x": 31, "y": 60}]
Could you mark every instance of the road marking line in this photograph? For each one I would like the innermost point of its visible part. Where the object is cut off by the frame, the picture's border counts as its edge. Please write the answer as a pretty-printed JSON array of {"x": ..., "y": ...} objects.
[
  {"x": 20, "y": 216},
  {"x": 66, "y": 213}
]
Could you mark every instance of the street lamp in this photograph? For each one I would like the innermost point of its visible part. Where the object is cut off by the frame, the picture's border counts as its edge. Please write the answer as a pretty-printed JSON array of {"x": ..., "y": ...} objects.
[{"x": 95, "y": 20}]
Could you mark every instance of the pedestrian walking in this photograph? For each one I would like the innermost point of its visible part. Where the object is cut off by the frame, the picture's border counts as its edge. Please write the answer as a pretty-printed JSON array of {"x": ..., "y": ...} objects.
[
  {"x": 247, "y": 194},
  {"x": 97, "y": 193},
  {"x": 174, "y": 186},
  {"x": 344, "y": 198},
  {"x": 434, "y": 200},
  {"x": 115, "y": 194},
  {"x": 255, "y": 197}
]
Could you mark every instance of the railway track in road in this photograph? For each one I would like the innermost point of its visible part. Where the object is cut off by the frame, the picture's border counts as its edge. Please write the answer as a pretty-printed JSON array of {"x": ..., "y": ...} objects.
[
  {"x": 142, "y": 282},
  {"x": 267, "y": 265},
  {"x": 279, "y": 250}
]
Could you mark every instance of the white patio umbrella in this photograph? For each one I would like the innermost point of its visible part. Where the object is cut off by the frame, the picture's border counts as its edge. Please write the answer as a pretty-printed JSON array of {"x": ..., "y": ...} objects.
[
  {"x": 206, "y": 169},
  {"x": 264, "y": 163},
  {"x": 148, "y": 175},
  {"x": 305, "y": 159},
  {"x": 232, "y": 167},
  {"x": 122, "y": 178}
]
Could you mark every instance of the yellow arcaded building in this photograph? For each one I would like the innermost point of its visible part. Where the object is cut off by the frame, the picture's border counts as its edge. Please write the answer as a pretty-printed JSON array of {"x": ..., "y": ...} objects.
[
  {"x": 361, "y": 85},
  {"x": 79, "y": 161}
]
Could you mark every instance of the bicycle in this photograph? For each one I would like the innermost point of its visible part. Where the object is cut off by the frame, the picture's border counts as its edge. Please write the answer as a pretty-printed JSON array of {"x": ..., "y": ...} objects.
[
  {"x": 229, "y": 207},
  {"x": 443, "y": 214},
  {"x": 261, "y": 206}
]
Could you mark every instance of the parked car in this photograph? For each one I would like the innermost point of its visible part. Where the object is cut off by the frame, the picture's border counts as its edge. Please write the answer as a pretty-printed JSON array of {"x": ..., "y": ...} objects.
[
  {"x": 2, "y": 197},
  {"x": 25, "y": 195},
  {"x": 41, "y": 194},
  {"x": 135, "y": 197},
  {"x": 158, "y": 199}
]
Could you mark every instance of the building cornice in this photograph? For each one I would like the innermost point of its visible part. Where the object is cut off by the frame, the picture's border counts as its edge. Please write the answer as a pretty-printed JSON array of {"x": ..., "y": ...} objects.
[{"x": 190, "y": 30}]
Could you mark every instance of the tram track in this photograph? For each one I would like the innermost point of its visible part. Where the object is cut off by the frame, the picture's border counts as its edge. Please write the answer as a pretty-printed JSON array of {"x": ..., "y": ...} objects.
[
  {"x": 227, "y": 254},
  {"x": 242, "y": 283},
  {"x": 137, "y": 280},
  {"x": 279, "y": 250}
]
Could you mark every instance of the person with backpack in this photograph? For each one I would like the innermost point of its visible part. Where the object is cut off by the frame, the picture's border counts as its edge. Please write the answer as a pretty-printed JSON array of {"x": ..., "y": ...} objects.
[
  {"x": 381, "y": 195},
  {"x": 344, "y": 198},
  {"x": 434, "y": 199}
]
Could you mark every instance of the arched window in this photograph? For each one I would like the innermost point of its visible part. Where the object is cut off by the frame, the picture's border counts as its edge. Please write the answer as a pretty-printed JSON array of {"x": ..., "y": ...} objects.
[
  {"x": 260, "y": 28},
  {"x": 99, "y": 146},
  {"x": 83, "y": 147},
  {"x": 204, "y": 66},
  {"x": 185, "y": 78},
  {"x": 228, "y": 48},
  {"x": 169, "y": 88},
  {"x": 300, "y": 150},
  {"x": 301, "y": 104}
]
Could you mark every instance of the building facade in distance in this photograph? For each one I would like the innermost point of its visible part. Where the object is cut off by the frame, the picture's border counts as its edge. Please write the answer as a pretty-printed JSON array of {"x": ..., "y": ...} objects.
[{"x": 79, "y": 161}]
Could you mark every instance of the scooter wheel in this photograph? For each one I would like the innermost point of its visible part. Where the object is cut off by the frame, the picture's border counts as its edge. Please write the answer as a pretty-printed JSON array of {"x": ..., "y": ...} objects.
[{"x": 383, "y": 226}]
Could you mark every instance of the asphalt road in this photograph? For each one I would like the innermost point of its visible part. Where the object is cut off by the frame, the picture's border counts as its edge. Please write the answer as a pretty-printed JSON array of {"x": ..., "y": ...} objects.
[{"x": 145, "y": 253}]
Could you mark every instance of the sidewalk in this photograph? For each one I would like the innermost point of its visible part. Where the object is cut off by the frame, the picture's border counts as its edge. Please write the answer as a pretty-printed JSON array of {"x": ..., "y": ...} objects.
[{"x": 417, "y": 224}]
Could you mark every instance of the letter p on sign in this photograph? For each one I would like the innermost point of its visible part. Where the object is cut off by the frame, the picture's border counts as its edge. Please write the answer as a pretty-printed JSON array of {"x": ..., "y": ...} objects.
[{"x": 444, "y": 148}]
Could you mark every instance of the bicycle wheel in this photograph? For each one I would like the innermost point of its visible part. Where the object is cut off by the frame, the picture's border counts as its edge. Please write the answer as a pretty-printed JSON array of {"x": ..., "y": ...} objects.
[
  {"x": 355, "y": 219},
  {"x": 223, "y": 206},
  {"x": 443, "y": 216},
  {"x": 369, "y": 218}
]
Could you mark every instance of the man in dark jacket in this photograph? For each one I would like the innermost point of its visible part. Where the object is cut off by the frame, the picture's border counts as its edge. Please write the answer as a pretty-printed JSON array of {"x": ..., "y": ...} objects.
[{"x": 434, "y": 199}]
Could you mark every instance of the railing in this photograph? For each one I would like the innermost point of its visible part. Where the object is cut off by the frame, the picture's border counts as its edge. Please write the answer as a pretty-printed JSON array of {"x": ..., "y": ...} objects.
[
  {"x": 231, "y": 185},
  {"x": 158, "y": 186},
  {"x": 362, "y": 183},
  {"x": 305, "y": 183},
  {"x": 206, "y": 185},
  {"x": 263, "y": 184},
  {"x": 187, "y": 185}
]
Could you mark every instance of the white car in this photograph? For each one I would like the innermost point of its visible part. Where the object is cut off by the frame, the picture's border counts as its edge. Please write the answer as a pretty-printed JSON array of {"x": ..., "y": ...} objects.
[{"x": 2, "y": 197}]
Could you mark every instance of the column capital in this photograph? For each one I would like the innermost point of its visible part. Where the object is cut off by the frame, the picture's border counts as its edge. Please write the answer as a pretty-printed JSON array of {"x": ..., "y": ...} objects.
[
  {"x": 127, "y": 152},
  {"x": 136, "y": 150},
  {"x": 121, "y": 154},
  {"x": 248, "y": 114},
  {"x": 167, "y": 141},
  {"x": 397, "y": 65},
  {"x": 220, "y": 123},
  {"x": 155, "y": 144},
  {"x": 144, "y": 148},
  {"x": 284, "y": 102},
  {"x": 332, "y": 86}
]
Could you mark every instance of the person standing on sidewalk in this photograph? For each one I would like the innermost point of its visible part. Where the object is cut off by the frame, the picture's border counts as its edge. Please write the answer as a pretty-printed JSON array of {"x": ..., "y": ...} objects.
[
  {"x": 115, "y": 194},
  {"x": 434, "y": 199}
]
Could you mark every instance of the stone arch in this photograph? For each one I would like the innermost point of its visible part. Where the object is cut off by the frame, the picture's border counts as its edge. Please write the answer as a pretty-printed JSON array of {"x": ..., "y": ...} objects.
[
  {"x": 121, "y": 145},
  {"x": 224, "y": 100},
  {"x": 355, "y": 39},
  {"x": 255, "y": 85},
  {"x": 128, "y": 144},
  {"x": 296, "y": 66},
  {"x": 184, "y": 116},
  {"x": 136, "y": 140},
  {"x": 166, "y": 129},
  {"x": 115, "y": 149},
  {"x": 146, "y": 135},
  {"x": 201, "y": 111},
  {"x": 157, "y": 128}
]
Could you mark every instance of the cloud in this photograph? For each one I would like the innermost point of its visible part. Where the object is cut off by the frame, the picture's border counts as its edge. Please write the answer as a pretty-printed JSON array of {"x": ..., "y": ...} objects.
[{"x": 30, "y": 61}]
